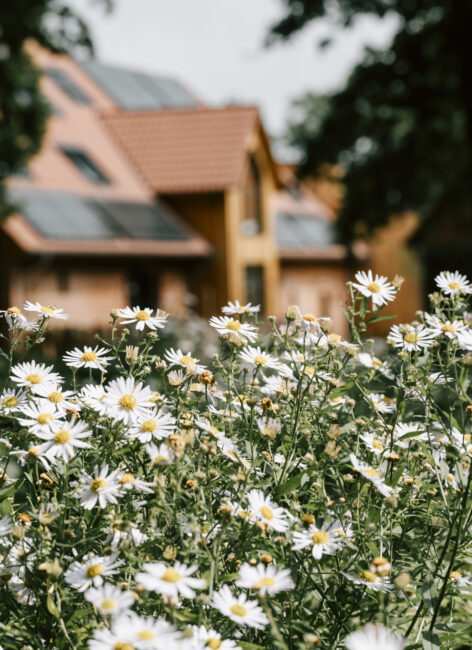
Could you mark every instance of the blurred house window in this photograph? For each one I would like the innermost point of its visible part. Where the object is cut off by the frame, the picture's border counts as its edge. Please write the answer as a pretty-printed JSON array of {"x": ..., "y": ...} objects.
[
  {"x": 255, "y": 285},
  {"x": 68, "y": 86},
  {"x": 85, "y": 165},
  {"x": 252, "y": 223}
]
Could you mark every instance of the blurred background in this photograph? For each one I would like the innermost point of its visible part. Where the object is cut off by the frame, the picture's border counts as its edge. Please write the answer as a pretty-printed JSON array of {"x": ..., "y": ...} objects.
[{"x": 183, "y": 154}]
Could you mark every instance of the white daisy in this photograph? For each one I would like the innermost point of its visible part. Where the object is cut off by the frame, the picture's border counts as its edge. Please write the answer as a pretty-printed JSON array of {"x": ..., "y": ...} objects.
[
  {"x": 381, "y": 403},
  {"x": 374, "y": 443},
  {"x": 453, "y": 283},
  {"x": 265, "y": 511},
  {"x": 148, "y": 632},
  {"x": 127, "y": 481},
  {"x": 170, "y": 581},
  {"x": 465, "y": 339},
  {"x": 46, "y": 311},
  {"x": 225, "y": 325},
  {"x": 93, "y": 396},
  {"x": 239, "y": 609},
  {"x": 11, "y": 400},
  {"x": 258, "y": 358},
  {"x": 91, "y": 570},
  {"x": 235, "y": 307},
  {"x": 63, "y": 399},
  {"x": 5, "y": 526},
  {"x": 153, "y": 425},
  {"x": 142, "y": 317},
  {"x": 463, "y": 583},
  {"x": 266, "y": 579},
  {"x": 185, "y": 361},
  {"x": 32, "y": 453},
  {"x": 162, "y": 455},
  {"x": 405, "y": 432},
  {"x": 126, "y": 533},
  {"x": 16, "y": 320},
  {"x": 449, "y": 329},
  {"x": 37, "y": 416},
  {"x": 101, "y": 487},
  {"x": 62, "y": 438},
  {"x": 373, "y": 637},
  {"x": 110, "y": 600},
  {"x": 127, "y": 401},
  {"x": 104, "y": 639},
  {"x": 202, "y": 638},
  {"x": 378, "y": 288},
  {"x": 323, "y": 541},
  {"x": 370, "y": 580},
  {"x": 31, "y": 374},
  {"x": 410, "y": 338},
  {"x": 373, "y": 362},
  {"x": 372, "y": 474},
  {"x": 269, "y": 427},
  {"x": 87, "y": 358}
]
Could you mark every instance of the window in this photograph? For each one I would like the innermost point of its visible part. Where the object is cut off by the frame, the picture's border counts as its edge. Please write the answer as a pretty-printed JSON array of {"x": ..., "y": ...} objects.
[
  {"x": 252, "y": 223},
  {"x": 67, "y": 85},
  {"x": 255, "y": 285},
  {"x": 85, "y": 165}
]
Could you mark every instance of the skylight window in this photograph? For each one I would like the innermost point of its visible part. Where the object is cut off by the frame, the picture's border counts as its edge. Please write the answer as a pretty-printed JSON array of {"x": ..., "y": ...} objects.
[
  {"x": 67, "y": 85},
  {"x": 85, "y": 165}
]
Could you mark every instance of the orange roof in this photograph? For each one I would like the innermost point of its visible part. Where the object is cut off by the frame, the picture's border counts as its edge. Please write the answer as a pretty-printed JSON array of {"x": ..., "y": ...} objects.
[{"x": 180, "y": 151}]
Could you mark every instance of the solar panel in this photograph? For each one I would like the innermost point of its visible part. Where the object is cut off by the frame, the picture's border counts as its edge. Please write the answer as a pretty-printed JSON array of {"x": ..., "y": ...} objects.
[
  {"x": 304, "y": 231},
  {"x": 67, "y": 85},
  {"x": 61, "y": 215},
  {"x": 138, "y": 91}
]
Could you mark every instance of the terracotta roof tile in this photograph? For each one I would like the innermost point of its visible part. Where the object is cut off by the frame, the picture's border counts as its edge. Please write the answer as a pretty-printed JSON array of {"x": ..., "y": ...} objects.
[{"x": 182, "y": 151}]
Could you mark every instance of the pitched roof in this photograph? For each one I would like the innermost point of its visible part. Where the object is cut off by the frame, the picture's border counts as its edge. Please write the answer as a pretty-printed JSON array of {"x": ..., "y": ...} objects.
[{"x": 185, "y": 151}]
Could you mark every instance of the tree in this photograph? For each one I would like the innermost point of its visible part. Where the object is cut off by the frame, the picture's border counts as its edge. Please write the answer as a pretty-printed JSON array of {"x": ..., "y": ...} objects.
[
  {"x": 402, "y": 125},
  {"x": 23, "y": 109}
]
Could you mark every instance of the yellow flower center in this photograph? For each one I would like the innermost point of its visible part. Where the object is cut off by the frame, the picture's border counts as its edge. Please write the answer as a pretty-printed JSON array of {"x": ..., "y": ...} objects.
[
  {"x": 159, "y": 459},
  {"x": 146, "y": 635},
  {"x": 97, "y": 483},
  {"x": 214, "y": 644},
  {"x": 10, "y": 402},
  {"x": 310, "y": 318},
  {"x": 455, "y": 575},
  {"x": 62, "y": 437},
  {"x": 238, "y": 610},
  {"x": 448, "y": 327},
  {"x": 266, "y": 581},
  {"x": 260, "y": 360},
  {"x": 186, "y": 360},
  {"x": 34, "y": 378},
  {"x": 126, "y": 478},
  {"x": 148, "y": 426},
  {"x": 33, "y": 451},
  {"x": 48, "y": 310},
  {"x": 44, "y": 418},
  {"x": 320, "y": 537},
  {"x": 467, "y": 437},
  {"x": 373, "y": 287},
  {"x": 89, "y": 356},
  {"x": 55, "y": 397},
  {"x": 377, "y": 444},
  {"x": 142, "y": 315},
  {"x": 234, "y": 325},
  {"x": 309, "y": 370},
  {"x": 171, "y": 575},
  {"x": 411, "y": 337},
  {"x": 14, "y": 310},
  {"x": 266, "y": 512},
  {"x": 94, "y": 570},
  {"x": 455, "y": 286},
  {"x": 376, "y": 362},
  {"x": 128, "y": 402},
  {"x": 371, "y": 472},
  {"x": 108, "y": 604},
  {"x": 121, "y": 645},
  {"x": 368, "y": 576}
]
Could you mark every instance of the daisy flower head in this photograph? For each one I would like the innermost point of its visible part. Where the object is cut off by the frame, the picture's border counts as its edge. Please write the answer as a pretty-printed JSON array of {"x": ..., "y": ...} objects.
[
  {"x": 16, "y": 320},
  {"x": 233, "y": 308},
  {"x": 410, "y": 338},
  {"x": 239, "y": 609},
  {"x": 126, "y": 400},
  {"x": 93, "y": 396},
  {"x": 12, "y": 400},
  {"x": 38, "y": 415},
  {"x": 63, "y": 399},
  {"x": 382, "y": 403},
  {"x": 322, "y": 541},
  {"x": 148, "y": 632},
  {"x": 463, "y": 583},
  {"x": 87, "y": 358},
  {"x": 227, "y": 327},
  {"x": 91, "y": 570},
  {"x": 445, "y": 328},
  {"x": 266, "y": 579},
  {"x": 62, "y": 438},
  {"x": 31, "y": 374},
  {"x": 202, "y": 638},
  {"x": 170, "y": 581},
  {"x": 109, "y": 599},
  {"x": 405, "y": 432},
  {"x": 374, "y": 443},
  {"x": 185, "y": 361},
  {"x": 46, "y": 311},
  {"x": 373, "y": 637},
  {"x": 372, "y": 474},
  {"x": 256, "y": 357},
  {"x": 142, "y": 317},
  {"x": 369, "y": 361},
  {"x": 453, "y": 283},
  {"x": 102, "y": 488},
  {"x": 264, "y": 511},
  {"x": 127, "y": 481},
  {"x": 162, "y": 455},
  {"x": 153, "y": 425},
  {"x": 370, "y": 580},
  {"x": 378, "y": 288}
]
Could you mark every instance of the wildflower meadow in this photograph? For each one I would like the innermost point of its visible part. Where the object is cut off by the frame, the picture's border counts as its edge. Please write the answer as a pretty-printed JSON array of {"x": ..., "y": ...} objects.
[{"x": 294, "y": 491}]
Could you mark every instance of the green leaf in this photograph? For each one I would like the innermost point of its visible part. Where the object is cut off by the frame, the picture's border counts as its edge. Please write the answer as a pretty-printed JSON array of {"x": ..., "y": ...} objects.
[
  {"x": 292, "y": 484},
  {"x": 431, "y": 641},
  {"x": 11, "y": 489},
  {"x": 429, "y": 592},
  {"x": 245, "y": 645},
  {"x": 52, "y": 607},
  {"x": 378, "y": 319}
]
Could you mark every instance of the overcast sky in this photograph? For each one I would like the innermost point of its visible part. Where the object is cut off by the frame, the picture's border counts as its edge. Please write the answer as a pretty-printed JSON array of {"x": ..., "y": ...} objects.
[{"x": 216, "y": 48}]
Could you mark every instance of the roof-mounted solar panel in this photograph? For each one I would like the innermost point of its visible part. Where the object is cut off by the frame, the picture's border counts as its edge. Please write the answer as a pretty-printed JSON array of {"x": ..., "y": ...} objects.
[{"x": 301, "y": 232}]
